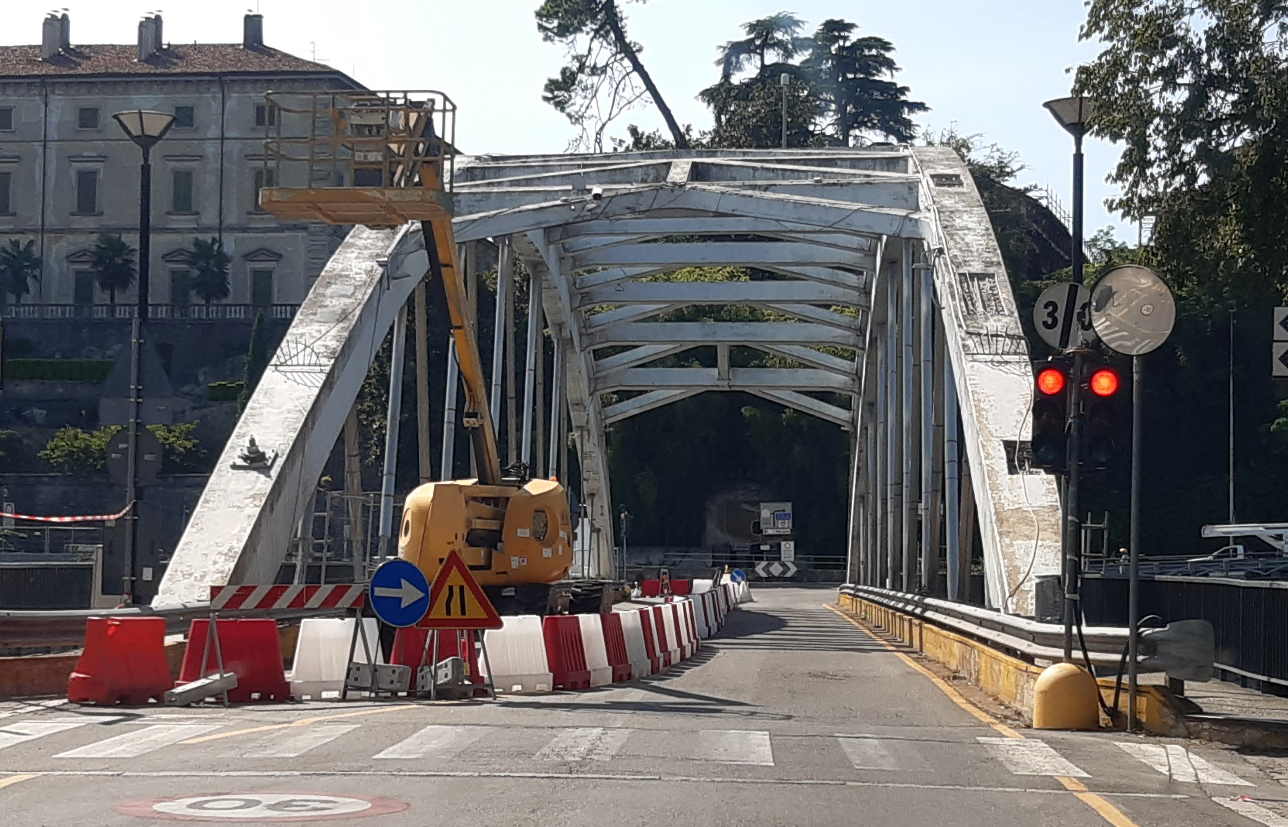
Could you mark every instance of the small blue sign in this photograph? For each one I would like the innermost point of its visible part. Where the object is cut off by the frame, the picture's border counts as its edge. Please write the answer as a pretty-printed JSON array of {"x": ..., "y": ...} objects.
[
  {"x": 738, "y": 576},
  {"x": 399, "y": 593}
]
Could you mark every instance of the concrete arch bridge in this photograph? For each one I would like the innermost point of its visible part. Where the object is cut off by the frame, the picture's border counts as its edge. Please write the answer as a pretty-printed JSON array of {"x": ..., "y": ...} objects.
[{"x": 893, "y": 319}]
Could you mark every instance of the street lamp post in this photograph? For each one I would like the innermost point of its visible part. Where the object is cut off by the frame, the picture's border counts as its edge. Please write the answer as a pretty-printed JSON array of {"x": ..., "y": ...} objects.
[
  {"x": 1073, "y": 114},
  {"x": 145, "y": 128}
]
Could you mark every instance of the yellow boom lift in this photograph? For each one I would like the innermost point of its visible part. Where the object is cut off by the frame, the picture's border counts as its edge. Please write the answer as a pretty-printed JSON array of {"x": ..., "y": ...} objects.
[{"x": 383, "y": 159}]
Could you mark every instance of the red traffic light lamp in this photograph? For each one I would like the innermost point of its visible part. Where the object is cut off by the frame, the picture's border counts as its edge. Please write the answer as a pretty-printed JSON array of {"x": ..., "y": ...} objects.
[
  {"x": 1051, "y": 381},
  {"x": 1104, "y": 382}
]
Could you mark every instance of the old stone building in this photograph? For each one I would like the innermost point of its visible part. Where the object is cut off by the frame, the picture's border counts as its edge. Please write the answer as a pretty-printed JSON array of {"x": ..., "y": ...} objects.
[{"x": 68, "y": 172}]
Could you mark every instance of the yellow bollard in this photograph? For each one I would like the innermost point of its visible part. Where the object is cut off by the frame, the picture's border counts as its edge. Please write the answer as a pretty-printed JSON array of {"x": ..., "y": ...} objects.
[{"x": 1066, "y": 697}]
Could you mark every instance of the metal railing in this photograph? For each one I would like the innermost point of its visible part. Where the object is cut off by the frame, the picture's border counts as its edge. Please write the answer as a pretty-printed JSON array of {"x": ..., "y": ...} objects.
[
  {"x": 171, "y": 312},
  {"x": 1027, "y": 638},
  {"x": 1254, "y": 565}
]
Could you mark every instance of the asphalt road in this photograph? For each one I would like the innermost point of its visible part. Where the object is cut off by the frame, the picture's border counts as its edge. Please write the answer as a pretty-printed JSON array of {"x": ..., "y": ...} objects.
[{"x": 791, "y": 716}]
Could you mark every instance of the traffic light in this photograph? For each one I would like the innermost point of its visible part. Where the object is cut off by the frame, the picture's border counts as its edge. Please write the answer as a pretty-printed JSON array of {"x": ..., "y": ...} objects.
[
  {"x": 1051, "y": 416},
  {"x": 1105, "y": 419}
]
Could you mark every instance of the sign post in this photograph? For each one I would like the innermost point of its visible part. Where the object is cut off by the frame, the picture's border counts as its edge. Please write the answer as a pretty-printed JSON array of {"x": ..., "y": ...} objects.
[{"x": 458, "y": 603}]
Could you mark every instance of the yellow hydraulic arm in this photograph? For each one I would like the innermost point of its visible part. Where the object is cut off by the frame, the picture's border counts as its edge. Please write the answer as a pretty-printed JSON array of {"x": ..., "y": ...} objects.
[{"x": 478, "y": 419}]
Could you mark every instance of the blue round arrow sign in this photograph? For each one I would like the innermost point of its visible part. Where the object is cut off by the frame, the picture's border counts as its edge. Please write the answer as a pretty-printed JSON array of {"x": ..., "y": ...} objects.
[
  {"x": 738, "y": 576},
  {"x": 399, "y": 593}
]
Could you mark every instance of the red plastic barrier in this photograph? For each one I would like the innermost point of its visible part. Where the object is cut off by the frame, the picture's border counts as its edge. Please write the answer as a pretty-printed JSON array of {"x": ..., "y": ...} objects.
[
  {"x": 650, "y": 640},
  {"x": 615, "y": 643},
  {"x": 670, "y": 651},
  {"x": 682, "y": 630},
  {"x": 124, "y": 662},
  {"x": 409, "y": 648},
  {"x": 565, "y": 652},
  {"x": 681, "y": 587},
  {"x": 251, "y": 649},
  {"x": 651, "y": 588}
]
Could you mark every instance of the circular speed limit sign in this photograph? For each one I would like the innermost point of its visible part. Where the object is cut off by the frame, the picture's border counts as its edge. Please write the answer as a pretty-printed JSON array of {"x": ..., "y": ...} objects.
[{"x": 1062, "y": 316}]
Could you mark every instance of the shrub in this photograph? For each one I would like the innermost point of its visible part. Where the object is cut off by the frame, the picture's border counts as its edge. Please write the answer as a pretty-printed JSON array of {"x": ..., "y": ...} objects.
[
  {"x": 64, "y": 370},
  {"x": 76, "y": 451}
]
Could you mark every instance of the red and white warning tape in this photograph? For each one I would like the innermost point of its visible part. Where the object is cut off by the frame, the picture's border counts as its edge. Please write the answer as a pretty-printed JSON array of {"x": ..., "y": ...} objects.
[
  {"x": 344, "y": 596},
  {"x": 81, "y": 518}
]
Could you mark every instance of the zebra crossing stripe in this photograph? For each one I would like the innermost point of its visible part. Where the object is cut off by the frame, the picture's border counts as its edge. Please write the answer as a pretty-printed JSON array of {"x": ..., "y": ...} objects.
[
  {"x": 139, "y": 742},
  {"x": 866, "y": 752},
  {"x": 1030, "y": 757},
  {"x": 21, "y": 732},
  {"x": 297, "y": 745},
  {"x": 734, "y": 746},
  {"x": 1179, "y": 764},
  {"x": 585, "y": 743},
  {"x": 443, "y": 741}
]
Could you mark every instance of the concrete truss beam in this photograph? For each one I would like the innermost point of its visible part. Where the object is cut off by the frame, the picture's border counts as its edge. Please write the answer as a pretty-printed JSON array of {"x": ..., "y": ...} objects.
[
  {"x": 739, "y": 379},
  {"x": 719, "y": 292},
  {"x": 748, "y": 334}
]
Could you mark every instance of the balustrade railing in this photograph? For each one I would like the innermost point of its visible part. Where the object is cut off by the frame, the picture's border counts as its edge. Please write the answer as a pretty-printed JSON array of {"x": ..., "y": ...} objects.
[{"x": 165, "y": 312}]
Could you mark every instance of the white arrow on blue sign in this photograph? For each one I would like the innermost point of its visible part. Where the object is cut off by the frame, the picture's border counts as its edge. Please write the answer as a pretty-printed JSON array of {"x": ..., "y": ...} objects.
[{"x": 399, "y": 593}]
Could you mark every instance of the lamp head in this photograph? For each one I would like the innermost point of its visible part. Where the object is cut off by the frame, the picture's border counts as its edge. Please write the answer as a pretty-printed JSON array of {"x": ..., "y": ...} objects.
[
  {"x": 144, "y": 126},
  {"x": 1072, "y": 113}
]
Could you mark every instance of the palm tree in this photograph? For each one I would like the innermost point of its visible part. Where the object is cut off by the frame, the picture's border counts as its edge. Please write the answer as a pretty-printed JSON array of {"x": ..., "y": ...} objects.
[
  {"x": 19, "y": 264},
  {"x": 209, "y": 265},
  {"x": 113, "y": 264}
]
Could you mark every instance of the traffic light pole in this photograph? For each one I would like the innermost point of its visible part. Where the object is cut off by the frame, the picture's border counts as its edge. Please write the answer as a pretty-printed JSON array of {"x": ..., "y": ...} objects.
[{"x": 1071, "y": 523}]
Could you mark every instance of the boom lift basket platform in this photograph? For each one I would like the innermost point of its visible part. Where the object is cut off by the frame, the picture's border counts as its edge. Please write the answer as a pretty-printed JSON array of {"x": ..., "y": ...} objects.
[{"x": 357, "y": 157}]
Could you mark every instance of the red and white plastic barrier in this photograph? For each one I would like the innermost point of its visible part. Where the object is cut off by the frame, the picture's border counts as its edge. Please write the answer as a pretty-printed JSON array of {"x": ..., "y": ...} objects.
[{"x": 245, "y": 598}]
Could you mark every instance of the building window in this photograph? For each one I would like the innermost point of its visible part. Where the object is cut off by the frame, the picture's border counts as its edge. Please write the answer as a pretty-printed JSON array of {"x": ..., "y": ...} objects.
[
  {"x": 88, "y": 117},
  {"x": 84, "y": 287},
  {"x": 87, "y": 191},
  {"x": 263, "y": 178},
  {"x": 182, "y": 201},
  {"x": 185, "y": 117},
  {"x": 6, "y": 181},
  {"x": 261, "y": 288},
  {"x": 6, "y": 118},
  {"x": 180, "y": 286},
  {"x": 266, "y": 115}
]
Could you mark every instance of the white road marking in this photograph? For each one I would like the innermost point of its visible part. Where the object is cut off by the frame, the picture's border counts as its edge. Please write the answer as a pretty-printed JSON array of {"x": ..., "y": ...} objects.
[
  {"x": 1179, "y": 764},
  {"x": 297, "y": 745},
  {"x": 866, "y": 752},
  {"x": 585, "y": 743},
  {"x": 1030, "y": 757},
  {"x": 735, "y": 746},
  {"x": 441, "y": 740},
  {"x": 20, "y": 732},
  {"x": 1253, "y": 811},
  {"x": 134, "y": 744}
]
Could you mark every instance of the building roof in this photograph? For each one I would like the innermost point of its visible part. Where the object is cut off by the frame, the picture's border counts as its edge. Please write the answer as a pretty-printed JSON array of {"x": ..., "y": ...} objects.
[{"x": 176, "y": 59}]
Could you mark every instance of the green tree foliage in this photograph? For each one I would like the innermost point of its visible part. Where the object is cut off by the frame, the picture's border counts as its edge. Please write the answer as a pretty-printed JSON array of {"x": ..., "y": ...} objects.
[
  {"x": 1196, "y": 93},
  {"x": 74, "y": 450},
  {"x": 112, "y": 264},
  {"x": 19, "y": 266},
  {"x": 257, "y": 355},
  {"x": 604, "y": 72},
  {"x": 209, "y": 265},
  {"x": 853, "y": 78},
  {"x": 841, "y": 89}
]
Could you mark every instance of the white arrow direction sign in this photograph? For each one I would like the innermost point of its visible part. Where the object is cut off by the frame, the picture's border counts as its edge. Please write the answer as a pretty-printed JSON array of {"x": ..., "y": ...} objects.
[
  {"x": 407, "y": 592},
  {"x": 776, "y": 568}
]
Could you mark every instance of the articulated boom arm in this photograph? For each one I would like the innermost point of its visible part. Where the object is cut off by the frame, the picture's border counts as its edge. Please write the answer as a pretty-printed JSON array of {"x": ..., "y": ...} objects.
[{"x": 478, "y": 419}]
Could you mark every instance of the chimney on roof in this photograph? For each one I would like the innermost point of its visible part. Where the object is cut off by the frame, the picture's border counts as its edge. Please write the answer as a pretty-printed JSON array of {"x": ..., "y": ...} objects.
[
  {"x": 149, "y": 38},
  {"x": 55, "y": 35},
  {"x": 253, "y": 31}
]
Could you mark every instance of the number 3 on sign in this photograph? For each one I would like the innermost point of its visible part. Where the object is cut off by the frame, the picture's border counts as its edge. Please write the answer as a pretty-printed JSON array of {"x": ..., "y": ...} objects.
[{"x": 1057, "y": 325}]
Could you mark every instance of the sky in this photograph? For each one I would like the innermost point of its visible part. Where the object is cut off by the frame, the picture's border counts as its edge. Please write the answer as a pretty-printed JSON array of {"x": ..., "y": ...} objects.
[{"x": 983, "y": 66}]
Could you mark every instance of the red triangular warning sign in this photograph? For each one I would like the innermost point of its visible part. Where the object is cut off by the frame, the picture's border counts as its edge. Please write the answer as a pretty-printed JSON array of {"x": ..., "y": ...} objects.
[{"x": 456, "y": 601}]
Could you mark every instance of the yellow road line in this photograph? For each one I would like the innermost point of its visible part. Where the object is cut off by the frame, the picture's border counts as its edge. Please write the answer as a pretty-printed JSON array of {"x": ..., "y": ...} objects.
[
  {"x": 1103, "y": 808},
  {"x": 13, "y": 779},
  {"x": 302, "y": 722}
]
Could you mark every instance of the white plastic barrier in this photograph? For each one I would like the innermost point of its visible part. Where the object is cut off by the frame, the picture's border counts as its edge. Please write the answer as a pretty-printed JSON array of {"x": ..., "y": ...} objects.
[
  {"x": 704, "y": 615},
  {"x": 322, "y": 655},
  {"x": 744, "y": 593},
  {"x": 701, "y": 586},
  {"x": 726, "y": 605},
  {"x": 517, "y": 652},
  {"x": 674, "y": 644},
  {"x": 592, "y": 638},
  {"x": 636, "y": 651}
]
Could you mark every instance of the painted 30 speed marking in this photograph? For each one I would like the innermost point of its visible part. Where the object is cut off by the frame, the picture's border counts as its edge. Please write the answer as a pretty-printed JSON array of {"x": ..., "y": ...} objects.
[{"x": 262, "y": 808}]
